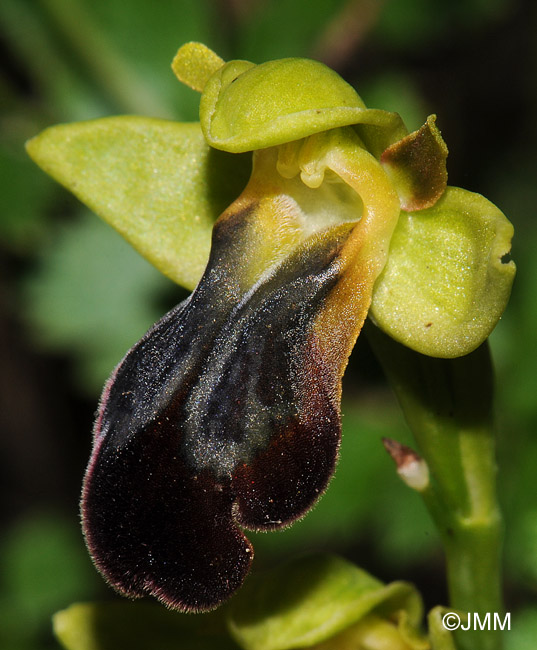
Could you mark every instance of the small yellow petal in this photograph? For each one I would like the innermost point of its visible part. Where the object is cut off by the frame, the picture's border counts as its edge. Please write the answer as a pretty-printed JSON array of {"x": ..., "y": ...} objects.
[
  {"x": 194, "y": 63},
  {"x": 416, "y": 165}
]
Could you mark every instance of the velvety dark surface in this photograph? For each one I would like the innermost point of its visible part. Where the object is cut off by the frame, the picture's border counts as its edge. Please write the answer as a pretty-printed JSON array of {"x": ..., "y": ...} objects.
[{"x": 224, "y": 412}]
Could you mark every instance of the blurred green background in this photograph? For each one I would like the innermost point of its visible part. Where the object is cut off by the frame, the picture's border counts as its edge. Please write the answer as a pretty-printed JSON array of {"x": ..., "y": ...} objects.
[{"x": 74, "y": 297}]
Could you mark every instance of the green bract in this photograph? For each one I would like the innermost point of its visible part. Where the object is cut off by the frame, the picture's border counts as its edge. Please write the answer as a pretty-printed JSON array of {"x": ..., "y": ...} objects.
[
  {"x": 318, "y": 600},
  {"x": 445, "y": 283}
]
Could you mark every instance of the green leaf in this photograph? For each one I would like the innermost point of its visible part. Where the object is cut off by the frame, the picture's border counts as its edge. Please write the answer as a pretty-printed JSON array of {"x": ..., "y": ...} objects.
[
  {"x": 138, "y": 626},
  {"x": 156, "y": 182},
  {"x": 126, "y": 54},
  {"x": 523, "y": 630},
  {"x": 276, "y": 29},
  {"x": 38, "y": 578},
  {"x": 395, "y": 90},
  {"x": 90, "y": 280},
  {"x": 25, "y": 191},
  {"x": 446, "y": 283},
  {"x": 312, "y": 599}
]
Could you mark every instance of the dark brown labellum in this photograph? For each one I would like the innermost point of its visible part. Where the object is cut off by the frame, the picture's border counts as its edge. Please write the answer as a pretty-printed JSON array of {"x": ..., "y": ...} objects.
[{"x": 224, "y": 415}]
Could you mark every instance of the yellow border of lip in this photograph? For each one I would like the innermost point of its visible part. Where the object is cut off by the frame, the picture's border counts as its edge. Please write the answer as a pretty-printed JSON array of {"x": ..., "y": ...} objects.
[{"x": 364, "y": 254}]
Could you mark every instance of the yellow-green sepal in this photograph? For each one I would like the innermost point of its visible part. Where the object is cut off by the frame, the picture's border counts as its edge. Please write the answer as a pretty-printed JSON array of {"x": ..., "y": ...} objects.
[
  {"x": 446, "y": 282},
  {"x": 245, "y": 106},
  {"x": 156, "y": 182}
]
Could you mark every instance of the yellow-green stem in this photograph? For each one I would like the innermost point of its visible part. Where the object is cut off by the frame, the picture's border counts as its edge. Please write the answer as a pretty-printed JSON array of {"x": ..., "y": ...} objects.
[{"x": 448, "y": 406}]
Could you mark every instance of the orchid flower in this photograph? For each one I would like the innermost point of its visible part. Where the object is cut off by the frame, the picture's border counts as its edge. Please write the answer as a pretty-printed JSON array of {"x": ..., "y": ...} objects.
[{"x": 225, "y": 416}]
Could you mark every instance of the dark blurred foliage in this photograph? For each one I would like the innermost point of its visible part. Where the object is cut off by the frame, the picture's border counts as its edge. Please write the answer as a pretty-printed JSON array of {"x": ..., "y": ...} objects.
[{"x": 74, "y": 297}]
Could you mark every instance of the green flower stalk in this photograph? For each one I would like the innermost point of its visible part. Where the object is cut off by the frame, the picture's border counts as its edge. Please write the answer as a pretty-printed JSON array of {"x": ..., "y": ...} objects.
[{"x": 225, "y": 416}]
